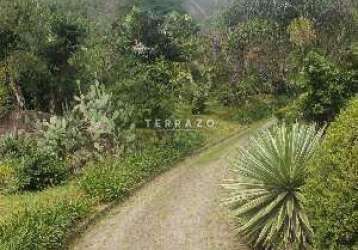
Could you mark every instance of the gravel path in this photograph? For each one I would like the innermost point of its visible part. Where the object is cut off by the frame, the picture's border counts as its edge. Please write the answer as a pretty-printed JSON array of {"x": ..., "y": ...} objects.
[{"x": 179, "y": 210}]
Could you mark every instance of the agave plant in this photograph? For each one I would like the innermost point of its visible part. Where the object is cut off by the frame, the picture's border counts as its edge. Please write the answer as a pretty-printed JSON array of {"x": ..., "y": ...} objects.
[{"x": 265, "y": 194}]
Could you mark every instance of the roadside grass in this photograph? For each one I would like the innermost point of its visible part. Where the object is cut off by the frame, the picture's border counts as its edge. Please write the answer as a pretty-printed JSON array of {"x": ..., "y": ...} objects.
[{"x": 42, "y": 220}]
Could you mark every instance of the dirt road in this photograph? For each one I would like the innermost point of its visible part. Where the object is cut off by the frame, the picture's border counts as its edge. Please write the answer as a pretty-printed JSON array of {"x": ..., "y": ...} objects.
[{"x": 179, "y": 210}]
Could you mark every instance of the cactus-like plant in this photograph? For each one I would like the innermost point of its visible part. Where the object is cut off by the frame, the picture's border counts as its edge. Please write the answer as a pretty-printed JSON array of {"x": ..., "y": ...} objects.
[
  {"x": 99, "y": 116},
  {"x": 61, "y": 135},
  {"x": 266, "y": 192}
]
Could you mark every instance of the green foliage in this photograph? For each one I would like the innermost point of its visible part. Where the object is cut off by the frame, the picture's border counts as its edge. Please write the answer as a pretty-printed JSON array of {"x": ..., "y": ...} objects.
[
  {"x": 255, "y": 49},
  {"x": 150, "y": 37},
  {"x": 199, "y": 102},
  {"x": 270, "y": 39},
  {"x": 15, "y": 146},
  {"x": 152, "y": 65},
  {"x": 327, "y": 89},
  {"x": 98, "y": 116},
  {"x": 4, "y": 98},
  {"x": 8, "y": 179},
  {"x": 240, "y": 93},
  {"x": 32, "y": 168},
  {"x": 94, "y": 124},
  {"x": 331, "y": 188},
  {"x": 37, "y": 43},
  {"x": 114, "y": 180},
  {"x": 250, "y": 33},
  {"x": 148, "y": 92},
  {"x": 291, "y": 113},
  {"x": 328, "y": 13},
  {"x": 40, "y": 170},
  {"x": 302, "y": 33},
  {"x": 185, "y": 142},
  {"x": 43, "y": 224},
  {"x": 266, "y": 192},
  {"x": 61, "y": 135},
  {"x": 198, "y": 94},
  {"x": 252, "y": 112},
  {"x": 258, "y": 108}
]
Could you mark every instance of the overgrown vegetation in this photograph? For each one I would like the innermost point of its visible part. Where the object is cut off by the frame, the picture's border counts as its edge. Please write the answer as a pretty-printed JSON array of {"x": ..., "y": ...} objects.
[{"x": 80, "y": 79}]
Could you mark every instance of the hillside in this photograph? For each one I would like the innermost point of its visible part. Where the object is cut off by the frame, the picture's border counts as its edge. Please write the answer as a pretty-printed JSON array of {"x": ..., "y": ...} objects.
[{"x": 204, "y": 9}]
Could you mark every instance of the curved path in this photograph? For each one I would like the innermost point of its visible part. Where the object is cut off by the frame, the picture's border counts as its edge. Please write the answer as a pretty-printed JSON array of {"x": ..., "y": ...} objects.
[{"x": 179, "y": 210}]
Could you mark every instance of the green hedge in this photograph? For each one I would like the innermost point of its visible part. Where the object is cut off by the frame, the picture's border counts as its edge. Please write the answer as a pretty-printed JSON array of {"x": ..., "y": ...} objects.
[{"x": 332, "y": 187}]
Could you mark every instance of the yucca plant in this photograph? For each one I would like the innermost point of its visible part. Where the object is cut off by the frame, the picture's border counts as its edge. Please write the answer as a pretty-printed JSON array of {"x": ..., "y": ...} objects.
[{"x": 265, "y": 192}]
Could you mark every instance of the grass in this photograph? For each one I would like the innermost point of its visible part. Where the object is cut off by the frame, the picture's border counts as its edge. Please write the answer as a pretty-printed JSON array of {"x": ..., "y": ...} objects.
[{"x": 42, "y": 220}]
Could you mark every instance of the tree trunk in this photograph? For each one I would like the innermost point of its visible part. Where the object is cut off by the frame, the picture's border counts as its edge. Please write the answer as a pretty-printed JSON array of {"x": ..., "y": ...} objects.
[
  {"x": 16, "y": 89},
  {"x": 14, "y": 86}
]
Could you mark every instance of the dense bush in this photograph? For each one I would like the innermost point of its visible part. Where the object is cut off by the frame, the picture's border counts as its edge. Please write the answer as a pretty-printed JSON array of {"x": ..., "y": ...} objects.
[
  {"x": 37, "y": 59},
  {"x": 327, "y": 89},
  {"x": 331, "y": 189},
  {"x": 253, "y": 112},
  {"x": 102, "y": 123},
  {"x": 92, "y": 128},
  {"x": 291, "y": 113},
  {"x": 14, "y": 146},
  {"x": 185, "y": 141},
  {"x": 258, "y": 108},
  {"x": 32, "y": 168},
  {"x": 41, "y": 169}
]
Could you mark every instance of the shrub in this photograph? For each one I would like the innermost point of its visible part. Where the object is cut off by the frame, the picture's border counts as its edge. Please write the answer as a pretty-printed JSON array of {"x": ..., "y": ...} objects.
[
  {"x": 290, "y": 113},
  {"x": 331, "y": 189},
  {"x": 253, "y": 111},
  {"x": 266, "y": 190},
  {"x": 41, "y": 169},
  {"x": 185, "y": 141},
  {"x": 31, "y": 168},
  {"x": 93, "y": 127},
  {"x": 200, "y": 97},
  {"x": 302, "y": 33},
  {"x": 12, "y": 145},
  {"x": 328, "y": 89}
]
